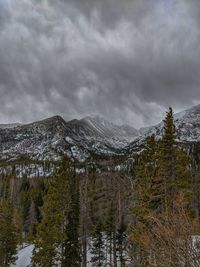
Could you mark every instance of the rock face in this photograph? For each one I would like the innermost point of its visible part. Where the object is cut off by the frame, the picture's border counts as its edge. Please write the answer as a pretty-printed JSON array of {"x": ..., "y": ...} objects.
[
  {"x": 82, "y": 139},
  {"x": 50, "y": 138},
  {"x": 39, "y": 140}
]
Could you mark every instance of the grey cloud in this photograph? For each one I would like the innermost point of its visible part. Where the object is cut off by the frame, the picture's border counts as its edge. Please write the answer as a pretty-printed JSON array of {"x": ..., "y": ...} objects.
[{"x": 124, "y": 60}]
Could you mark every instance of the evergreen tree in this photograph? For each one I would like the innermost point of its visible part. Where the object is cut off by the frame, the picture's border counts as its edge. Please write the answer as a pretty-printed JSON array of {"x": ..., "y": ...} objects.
[
  {"x": 8, "y": 235},
  {"x": 51, "y": 236},
  {"x": 174, "y": 166},
  {"x": 72, "y": 245},
  {"x": 25, "y": 201},
  {"x": 145, "y": 199},
  {"x": 167, "y": 161},
  {"x": 162, "y": 174}
]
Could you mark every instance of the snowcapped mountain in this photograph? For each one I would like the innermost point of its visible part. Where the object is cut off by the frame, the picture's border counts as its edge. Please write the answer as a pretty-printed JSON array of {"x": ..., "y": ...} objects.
[
  {"x": 50, "y": 138},
  {"x": 89, "y": 137},
  {"x": 98, "y": 127},
  {"x": 39, "y": 140},
  {"x": 187, "y": 125}
]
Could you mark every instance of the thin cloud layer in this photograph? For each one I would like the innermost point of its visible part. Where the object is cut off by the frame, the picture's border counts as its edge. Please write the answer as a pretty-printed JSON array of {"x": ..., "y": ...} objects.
[{"x": 124, "y": 60}]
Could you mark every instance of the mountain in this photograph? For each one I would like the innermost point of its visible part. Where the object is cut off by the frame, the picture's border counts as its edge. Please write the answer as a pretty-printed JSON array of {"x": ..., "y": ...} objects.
[
  {"x": 50, "y": 138},
  {"x": 86, "y": 138},
  {"x": 187, "y": 124},
  {"x": 97, "y": 127},
  {"x": 39, "y": 140}
]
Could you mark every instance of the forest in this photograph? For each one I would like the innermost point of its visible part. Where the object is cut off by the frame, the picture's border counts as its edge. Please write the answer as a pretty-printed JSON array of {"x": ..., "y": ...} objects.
[{"x": 147, "y": 215}]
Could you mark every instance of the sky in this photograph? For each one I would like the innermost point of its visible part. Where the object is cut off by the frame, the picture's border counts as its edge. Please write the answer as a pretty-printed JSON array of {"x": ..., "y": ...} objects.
[{"x": 126, "y": 61}]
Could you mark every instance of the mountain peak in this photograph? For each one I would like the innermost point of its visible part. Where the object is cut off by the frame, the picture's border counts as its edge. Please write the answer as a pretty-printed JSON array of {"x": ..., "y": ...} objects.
[
  {"x": 97, "y": 118},
  {"x": 49, "y": 121}
]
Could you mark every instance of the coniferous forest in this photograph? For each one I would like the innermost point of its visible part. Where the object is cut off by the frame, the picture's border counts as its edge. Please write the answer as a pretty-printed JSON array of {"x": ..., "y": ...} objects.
[{"x": 144, "y": 215}]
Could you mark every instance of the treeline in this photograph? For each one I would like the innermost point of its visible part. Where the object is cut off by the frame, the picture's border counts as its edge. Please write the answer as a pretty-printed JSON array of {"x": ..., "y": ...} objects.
[
  {"x": 72, "y": 219},
  {"x": 148, "y": 217}
]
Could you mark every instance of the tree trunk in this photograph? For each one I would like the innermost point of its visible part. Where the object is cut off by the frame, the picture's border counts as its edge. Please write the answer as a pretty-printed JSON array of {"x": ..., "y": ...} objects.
[
  {"x": 114, "y": 249},
  {"x": 84, "y": 244}
]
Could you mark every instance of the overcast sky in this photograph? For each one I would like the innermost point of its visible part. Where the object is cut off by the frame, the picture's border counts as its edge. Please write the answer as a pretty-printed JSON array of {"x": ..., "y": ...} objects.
[{"x": 125, "y": 60}]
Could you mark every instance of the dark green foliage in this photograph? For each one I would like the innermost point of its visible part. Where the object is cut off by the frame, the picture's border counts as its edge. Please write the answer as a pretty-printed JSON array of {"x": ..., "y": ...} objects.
[
  {"x": 163, "y": 174},
  {"x": 51, "y": 233},
  {"x": 57, "y": 239},
  {"x": 147, "y": 190},
  {"x": 168, "y": 161},
  {"x": 31, "y": 199},
  {"x": 9, "y": 237},
  {"x": 72, "y": 245}
]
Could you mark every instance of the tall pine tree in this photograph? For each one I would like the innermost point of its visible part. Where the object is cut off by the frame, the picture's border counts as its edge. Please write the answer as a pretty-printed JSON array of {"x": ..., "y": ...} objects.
[
  {"x": 8, "y": 235},
  {"x": 72, "y": 242},
  {"x": 51, "y": 236},
  {"x": 162, "y": 174}
]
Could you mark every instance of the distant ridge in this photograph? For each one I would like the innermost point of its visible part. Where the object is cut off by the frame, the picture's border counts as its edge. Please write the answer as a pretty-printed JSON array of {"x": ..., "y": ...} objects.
[{"x": 86, "y": 138}]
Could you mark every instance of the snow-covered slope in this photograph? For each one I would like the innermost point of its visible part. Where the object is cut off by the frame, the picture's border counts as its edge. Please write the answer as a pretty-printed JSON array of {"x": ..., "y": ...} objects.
[
  {"x": 109, "y": 130},
  {"x": 187, "y": 125},
  {"x": 82, "y": 139},
  {"x": 99, "y": 136},
  {"x": 42, "y": 140},
  {"x": 50, "y": 138}
]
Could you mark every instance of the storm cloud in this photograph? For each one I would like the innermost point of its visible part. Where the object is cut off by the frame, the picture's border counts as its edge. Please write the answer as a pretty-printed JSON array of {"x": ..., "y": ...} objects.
[{"x": 124, "y": 60}]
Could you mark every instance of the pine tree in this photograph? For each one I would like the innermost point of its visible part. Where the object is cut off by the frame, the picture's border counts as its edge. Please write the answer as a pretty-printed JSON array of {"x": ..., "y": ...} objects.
[
  {"x": 51, "y": 236},
  {"x": 25, "y": 201},
  {"x": 72, "y": 245},
  {"x": 174, "y": 166},
  {"x": 145, "y": 199},
  {"x": 162, "y": 174},
  {"x": 8, "y": 235},
  {"x": 167, "y": 161}
]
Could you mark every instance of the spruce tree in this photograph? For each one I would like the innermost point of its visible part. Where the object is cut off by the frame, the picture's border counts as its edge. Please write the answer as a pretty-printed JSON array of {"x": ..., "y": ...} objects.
[
  {"x": 8, "y": 235},
  {"x": 72, "y": 242},
  {"x": 162, "y": 174},
  {"x": 167, "y": 161},
  {"x": 51, "y": 236},
  {"x": 174, "y": 166},
  {"x": 145, "y": 199}
]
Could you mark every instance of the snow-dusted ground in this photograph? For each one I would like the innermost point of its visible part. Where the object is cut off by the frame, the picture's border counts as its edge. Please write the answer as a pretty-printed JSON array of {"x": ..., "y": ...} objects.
[
  {"x": 24, "y": 257},
  {"x": 25, "y": 254}
]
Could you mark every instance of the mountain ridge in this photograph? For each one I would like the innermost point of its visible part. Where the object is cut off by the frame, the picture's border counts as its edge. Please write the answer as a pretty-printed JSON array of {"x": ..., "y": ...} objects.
[{"x": 50, "y": 138}]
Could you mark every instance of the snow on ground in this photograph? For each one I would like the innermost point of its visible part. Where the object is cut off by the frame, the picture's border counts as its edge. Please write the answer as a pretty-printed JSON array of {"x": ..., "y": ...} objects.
[{"x": 24, "y": 257}]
